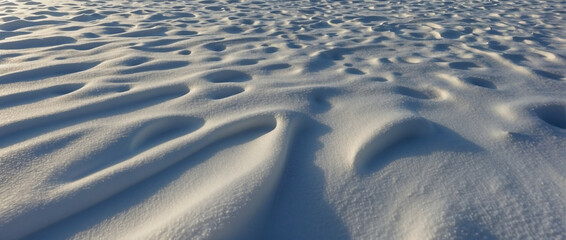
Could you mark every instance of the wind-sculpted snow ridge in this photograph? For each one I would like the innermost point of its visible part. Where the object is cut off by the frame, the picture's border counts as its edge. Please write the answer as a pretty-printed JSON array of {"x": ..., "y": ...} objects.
[{"x": 282, "y": 119}]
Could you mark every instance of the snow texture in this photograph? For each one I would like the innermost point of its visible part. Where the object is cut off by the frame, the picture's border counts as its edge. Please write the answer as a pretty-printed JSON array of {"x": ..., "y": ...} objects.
[{"x": 242, "y": 119}]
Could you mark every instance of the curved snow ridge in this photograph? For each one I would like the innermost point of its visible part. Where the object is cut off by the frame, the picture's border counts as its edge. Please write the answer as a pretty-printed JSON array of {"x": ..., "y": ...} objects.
[
  {"x": 32, "y": 96},
  {"x": 387, "y": 135},
  {"x": 41, "y": 73},
  {"x": 160, "y": 157},
  {"x": 140, "y": 134},
  {"x": 549, "y": 112},
  {"x": 89, "y": 111},
  {"x": 71, "y": 198},
  {"x": 155, "y": 128},
  {"x": 234, "y": 210}
]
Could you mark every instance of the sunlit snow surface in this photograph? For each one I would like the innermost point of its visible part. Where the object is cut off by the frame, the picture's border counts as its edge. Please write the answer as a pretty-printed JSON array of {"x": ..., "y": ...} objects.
[{"x": 283, "y": 119}]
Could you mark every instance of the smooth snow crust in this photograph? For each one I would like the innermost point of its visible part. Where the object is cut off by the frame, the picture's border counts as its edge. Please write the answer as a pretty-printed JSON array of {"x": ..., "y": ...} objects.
[{"x": 273, "y": 119}]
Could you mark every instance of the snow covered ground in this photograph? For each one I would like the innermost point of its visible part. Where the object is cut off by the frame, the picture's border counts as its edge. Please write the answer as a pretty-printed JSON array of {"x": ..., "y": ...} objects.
[{"x": 241, "y": 119}]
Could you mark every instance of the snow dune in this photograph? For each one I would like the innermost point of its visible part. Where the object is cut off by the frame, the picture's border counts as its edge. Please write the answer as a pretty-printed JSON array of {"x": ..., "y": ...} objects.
[{"x": 273, "y": 119}]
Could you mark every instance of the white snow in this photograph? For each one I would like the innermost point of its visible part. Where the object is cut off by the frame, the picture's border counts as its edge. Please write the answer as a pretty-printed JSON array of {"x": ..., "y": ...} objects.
[{"x": 241, "y": 119}]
